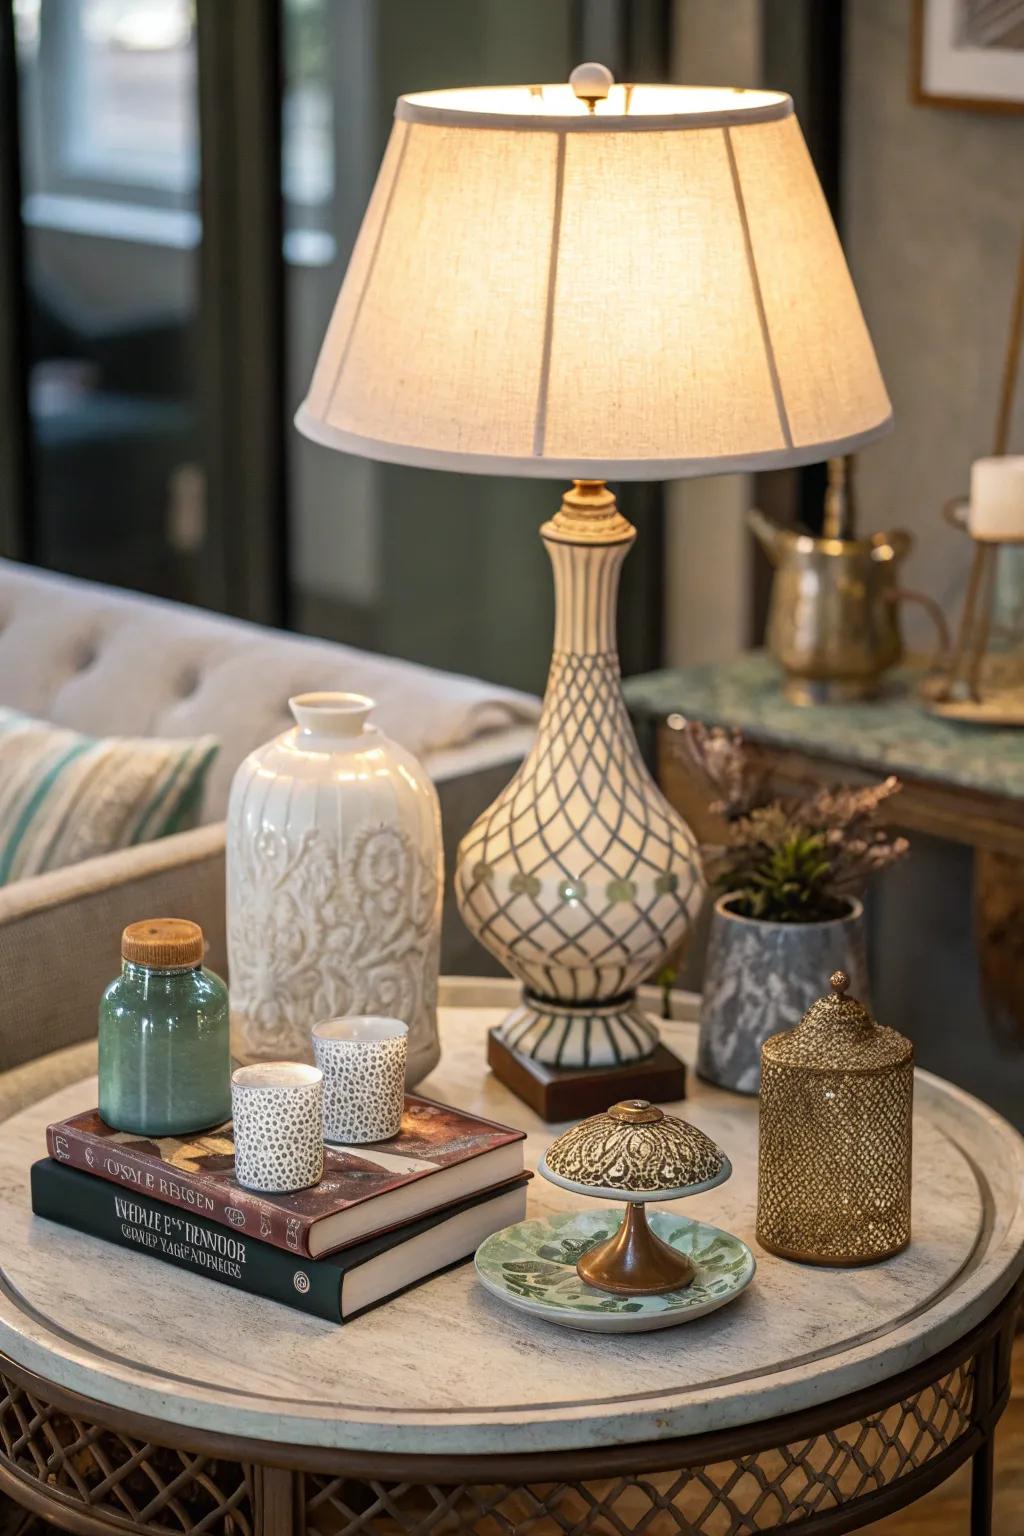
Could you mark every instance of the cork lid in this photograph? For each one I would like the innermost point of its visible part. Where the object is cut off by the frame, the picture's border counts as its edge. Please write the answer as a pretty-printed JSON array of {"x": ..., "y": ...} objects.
[
  {"x": 837, "y": 1033},
  {"x": 163, "y": 943}
]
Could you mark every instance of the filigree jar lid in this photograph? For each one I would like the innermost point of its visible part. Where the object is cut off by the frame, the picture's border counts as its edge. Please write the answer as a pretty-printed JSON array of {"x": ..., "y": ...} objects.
[
  {"x": 635, "y": 1151},
  {"x": 837, "y": 1033}
]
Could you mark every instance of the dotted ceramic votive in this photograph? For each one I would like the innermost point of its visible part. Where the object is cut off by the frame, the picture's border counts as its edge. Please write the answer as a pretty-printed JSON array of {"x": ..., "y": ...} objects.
[
  {"x": 363, "y": 1063},
  {"x": 277, "y": 1108}
]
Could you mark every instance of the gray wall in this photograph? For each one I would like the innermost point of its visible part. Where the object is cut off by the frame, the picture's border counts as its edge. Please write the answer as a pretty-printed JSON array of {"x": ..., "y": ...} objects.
[{"x": 932, "y": 222}]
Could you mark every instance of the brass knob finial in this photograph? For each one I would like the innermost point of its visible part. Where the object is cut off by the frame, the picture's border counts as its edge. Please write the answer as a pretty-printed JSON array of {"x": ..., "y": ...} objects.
[
  {"x": 591, "y": 83},
  {"x": 839, "y": 982},
  {"x": 637, "y": 1112}
]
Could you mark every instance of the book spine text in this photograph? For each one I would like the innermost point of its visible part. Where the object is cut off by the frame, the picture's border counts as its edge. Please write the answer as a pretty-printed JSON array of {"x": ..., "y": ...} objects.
[
  {"x": 191, "y": 1242},
  {"x": 249, "y": 1216}
]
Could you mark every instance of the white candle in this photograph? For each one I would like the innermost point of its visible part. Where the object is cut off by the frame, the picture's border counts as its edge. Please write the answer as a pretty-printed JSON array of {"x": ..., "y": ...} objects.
[
  {"x": 277, "y": 1107},
  {"x": 997, "y": 500}
]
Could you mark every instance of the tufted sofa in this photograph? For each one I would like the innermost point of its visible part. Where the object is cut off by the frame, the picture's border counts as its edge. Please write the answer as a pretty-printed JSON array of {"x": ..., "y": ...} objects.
[{"x": 112, "y": 663}]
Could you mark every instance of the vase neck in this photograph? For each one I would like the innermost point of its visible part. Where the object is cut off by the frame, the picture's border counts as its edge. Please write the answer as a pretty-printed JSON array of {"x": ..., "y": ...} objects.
[
  {"x": 587, "y": 541},
  {"x": 340, "y": 717}
]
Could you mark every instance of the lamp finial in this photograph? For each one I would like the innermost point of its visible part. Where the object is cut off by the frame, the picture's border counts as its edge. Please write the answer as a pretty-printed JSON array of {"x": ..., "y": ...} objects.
[{"x": 591, "y": 82}]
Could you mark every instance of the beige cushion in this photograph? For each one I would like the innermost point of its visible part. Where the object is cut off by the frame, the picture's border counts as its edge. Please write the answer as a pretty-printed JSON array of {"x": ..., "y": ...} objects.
[
  {"x": 65, "y": 796},
  {"x": 35, "y": 1080}
]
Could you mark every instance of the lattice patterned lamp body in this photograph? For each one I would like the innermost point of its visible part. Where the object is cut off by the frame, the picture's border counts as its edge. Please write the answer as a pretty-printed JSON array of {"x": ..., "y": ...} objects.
[
  {"x": 581, "y": 878},
  {"x": 836, "y": 1118}
]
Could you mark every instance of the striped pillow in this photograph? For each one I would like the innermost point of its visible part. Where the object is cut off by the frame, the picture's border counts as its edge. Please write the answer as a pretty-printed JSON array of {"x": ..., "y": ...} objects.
[{"x": 66, "y": 797}]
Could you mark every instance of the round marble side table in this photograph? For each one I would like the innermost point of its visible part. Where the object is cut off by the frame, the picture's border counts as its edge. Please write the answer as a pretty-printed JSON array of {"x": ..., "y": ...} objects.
[{"x": 135, "y": 1397}]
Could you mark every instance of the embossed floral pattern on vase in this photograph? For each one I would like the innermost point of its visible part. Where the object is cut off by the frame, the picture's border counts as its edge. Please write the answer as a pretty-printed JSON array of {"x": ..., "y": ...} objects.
[
  {"x": 334, "y": 893},
  {"x": 348, "y": 936}
]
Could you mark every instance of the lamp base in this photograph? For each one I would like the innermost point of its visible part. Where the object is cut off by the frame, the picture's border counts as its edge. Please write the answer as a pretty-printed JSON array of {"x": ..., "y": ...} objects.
[
  {"x": 561, "y": 1035},
  {"x": 635, "y": 1262},
  {"x": 581, "y": 879},
  {"x": 557, "y": 1094}
]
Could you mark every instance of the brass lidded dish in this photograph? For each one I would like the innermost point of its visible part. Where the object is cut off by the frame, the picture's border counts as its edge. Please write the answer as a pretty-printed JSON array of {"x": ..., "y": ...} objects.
[
  {"x": 836, "y": 1119},
  {"x": 635, "y": 1152}
]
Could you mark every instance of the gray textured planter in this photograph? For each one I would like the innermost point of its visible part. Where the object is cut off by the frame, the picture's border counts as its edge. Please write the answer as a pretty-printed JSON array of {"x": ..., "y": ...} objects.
[{"x": 762, "y": 977}]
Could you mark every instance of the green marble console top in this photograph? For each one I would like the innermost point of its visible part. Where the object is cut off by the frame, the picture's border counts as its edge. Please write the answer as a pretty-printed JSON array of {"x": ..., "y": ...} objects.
[{"x": 891, "y": 734}]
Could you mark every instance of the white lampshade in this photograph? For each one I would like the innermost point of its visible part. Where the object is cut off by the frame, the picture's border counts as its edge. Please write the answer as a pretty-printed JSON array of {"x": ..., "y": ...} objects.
[{"x": 652, "y": 289}]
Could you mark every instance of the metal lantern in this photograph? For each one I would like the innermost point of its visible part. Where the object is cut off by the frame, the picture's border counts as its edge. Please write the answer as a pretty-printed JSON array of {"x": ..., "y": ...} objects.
[{"x": 835, "y": 1136}]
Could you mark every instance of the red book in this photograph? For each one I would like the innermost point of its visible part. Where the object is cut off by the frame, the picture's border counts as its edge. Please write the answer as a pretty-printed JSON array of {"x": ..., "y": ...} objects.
[{"x": 440, "y": 1155}]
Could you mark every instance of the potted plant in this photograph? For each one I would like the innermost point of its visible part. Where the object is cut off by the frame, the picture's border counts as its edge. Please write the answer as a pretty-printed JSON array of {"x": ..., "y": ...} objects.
[{"x": 789, "y": 875}]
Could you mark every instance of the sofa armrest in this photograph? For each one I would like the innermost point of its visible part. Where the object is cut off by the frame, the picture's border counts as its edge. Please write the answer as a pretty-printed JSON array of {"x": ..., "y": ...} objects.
[{"x": 60, "y": 933}]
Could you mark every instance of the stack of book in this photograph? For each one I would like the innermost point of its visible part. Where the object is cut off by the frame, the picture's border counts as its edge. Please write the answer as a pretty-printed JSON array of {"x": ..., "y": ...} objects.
[{"x": 383, "y": 1218}]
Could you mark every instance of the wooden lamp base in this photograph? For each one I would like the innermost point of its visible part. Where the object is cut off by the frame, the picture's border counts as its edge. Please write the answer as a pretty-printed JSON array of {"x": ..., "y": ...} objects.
[{"x": 572, "y": 1093}]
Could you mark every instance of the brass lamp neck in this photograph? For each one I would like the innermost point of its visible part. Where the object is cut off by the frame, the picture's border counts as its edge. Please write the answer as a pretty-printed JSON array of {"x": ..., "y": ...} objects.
[
  {"x": 587, "y": 539},
  {"x": 589, "y": 514}
]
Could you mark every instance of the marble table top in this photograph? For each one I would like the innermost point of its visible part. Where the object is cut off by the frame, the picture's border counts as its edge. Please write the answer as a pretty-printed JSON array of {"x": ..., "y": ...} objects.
[
  {"x": 446, "y": 1368},
  {"x": 891, "y": 734}
]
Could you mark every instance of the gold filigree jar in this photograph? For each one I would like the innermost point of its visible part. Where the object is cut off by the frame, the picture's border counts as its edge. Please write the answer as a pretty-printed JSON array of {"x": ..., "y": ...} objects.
[
  {"x": 635, "y": 1152},
  {"x": 835, "y": 1136}
]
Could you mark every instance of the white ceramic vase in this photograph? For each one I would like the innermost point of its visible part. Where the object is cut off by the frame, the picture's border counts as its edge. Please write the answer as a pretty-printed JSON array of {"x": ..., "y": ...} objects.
[{"x": 334, "y": 879}]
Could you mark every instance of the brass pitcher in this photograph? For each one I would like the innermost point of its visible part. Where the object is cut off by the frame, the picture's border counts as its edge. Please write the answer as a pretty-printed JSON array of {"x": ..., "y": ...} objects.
[{"x": 833, "y": 621}]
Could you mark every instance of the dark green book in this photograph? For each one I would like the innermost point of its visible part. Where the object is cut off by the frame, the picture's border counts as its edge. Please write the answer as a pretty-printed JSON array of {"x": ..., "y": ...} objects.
[{"x": 337, "y": 1287}]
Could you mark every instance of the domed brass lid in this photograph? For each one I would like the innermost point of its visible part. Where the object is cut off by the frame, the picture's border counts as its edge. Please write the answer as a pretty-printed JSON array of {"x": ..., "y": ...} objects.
[
  {"x": 637, "y": 1152},
  {"x": 838, "y": 1034}
]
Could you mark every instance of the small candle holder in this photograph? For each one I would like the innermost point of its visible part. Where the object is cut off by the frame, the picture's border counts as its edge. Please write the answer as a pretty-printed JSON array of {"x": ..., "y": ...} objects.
[
  {"x": 984, "y": 679},
  {"x": 277, "y": 1108},
  {"x": 363, "y": 1062},
  {"x": 637, "y": 1153}
]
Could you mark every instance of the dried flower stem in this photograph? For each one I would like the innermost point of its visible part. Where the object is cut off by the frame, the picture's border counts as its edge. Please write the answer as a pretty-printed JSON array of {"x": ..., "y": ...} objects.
[{"x": 790, "y": 861}]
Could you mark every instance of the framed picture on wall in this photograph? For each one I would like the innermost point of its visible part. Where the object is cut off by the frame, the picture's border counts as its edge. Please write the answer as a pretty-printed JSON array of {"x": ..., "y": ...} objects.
[{"x": 968, "y": 54}]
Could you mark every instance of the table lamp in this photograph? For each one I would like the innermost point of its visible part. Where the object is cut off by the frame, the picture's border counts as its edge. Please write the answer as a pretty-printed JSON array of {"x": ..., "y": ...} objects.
[{"x": 598, "y": 282}]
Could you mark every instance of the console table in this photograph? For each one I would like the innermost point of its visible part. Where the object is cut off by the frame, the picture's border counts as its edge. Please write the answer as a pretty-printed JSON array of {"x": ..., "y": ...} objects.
[
  {"x": 135, "y": 1397},
  {"x": 964, "y": 783}
]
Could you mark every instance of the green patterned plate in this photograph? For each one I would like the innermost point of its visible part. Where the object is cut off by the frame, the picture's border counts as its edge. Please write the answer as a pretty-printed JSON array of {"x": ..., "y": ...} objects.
[{"x": 532, "y": 1266}]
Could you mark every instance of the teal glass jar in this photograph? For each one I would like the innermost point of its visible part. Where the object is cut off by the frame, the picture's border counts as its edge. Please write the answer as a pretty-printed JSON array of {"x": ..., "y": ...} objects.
[{"x": 164, "y": 1045}]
